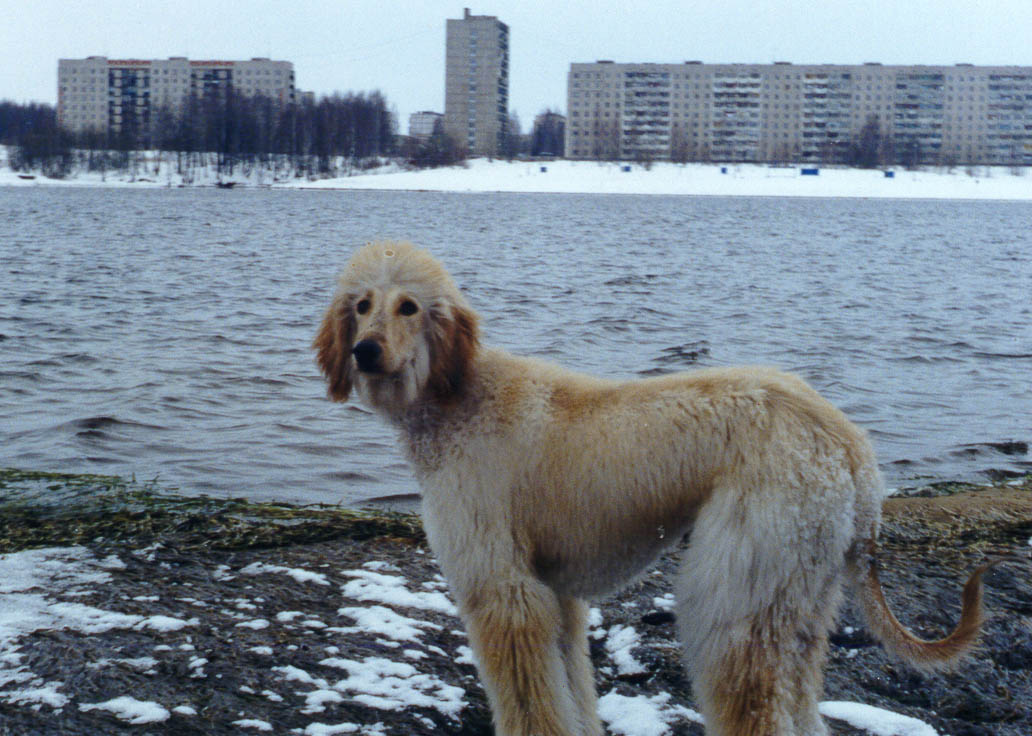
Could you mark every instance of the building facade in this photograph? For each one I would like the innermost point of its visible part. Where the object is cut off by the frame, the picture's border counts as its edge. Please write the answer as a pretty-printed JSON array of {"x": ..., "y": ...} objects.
[
  {"x": 421, "y": 124},
  {"x": 476, "y": 85},
  {"x": 118, "y": 95},
  {"x": 786, "y": 112}
]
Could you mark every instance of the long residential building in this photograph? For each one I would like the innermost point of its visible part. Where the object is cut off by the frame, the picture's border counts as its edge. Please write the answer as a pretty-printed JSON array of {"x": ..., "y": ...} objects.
[
  {"x": 476, "y": 84},
  {"x": 787, "y": 112},
  {"x": 116, "y": 95}
]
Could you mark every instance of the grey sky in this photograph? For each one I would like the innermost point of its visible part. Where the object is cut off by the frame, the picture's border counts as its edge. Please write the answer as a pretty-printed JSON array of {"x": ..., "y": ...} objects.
[{"x": 398, "y": 47}]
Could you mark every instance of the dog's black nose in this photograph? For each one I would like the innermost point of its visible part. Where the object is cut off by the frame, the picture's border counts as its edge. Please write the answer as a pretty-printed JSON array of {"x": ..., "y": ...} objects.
[{"x": 367, "y": 354}]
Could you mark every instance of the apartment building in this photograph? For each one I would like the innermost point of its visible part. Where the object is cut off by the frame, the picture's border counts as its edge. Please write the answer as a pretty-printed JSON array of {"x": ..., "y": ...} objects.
[
  {"x": 116, "y": 95},
  {"x": 788, "y": 112},
  {"x": 421, "y": 124},
  {"x": 476, "y": 85}
]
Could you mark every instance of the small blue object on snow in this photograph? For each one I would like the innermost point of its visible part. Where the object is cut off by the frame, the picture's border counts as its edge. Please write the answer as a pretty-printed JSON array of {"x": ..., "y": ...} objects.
[
  {"x": 723, "y": 169},
  {"x": 544, "y": 169},
  {"x": 625, "y": 169},
  {"x": 809, "y": 172},
  {"x": 890, "y": 174}
]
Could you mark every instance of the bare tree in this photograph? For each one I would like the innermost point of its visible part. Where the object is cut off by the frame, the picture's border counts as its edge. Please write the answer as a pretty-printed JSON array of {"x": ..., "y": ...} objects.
[
  {"x": 868, "y": 152},
  {"x": 512, "y": 138}
]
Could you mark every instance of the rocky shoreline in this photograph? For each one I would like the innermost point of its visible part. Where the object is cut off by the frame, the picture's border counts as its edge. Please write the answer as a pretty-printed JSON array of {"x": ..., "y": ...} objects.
[{"x": 159, "y": 615}]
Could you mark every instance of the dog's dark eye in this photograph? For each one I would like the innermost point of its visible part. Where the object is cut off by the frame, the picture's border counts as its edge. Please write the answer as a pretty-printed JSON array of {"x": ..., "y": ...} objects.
[
  {"x": 363, "y": 306},
  {"x": 408, "y": 308}
]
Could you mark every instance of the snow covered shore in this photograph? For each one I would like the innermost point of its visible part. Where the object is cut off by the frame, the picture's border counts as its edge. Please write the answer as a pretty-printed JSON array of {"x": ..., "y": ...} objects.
[
  {"x": 210, "y": 626},
  {"x": 483, "y": 175},
  {"x": 697, "y": 179}
]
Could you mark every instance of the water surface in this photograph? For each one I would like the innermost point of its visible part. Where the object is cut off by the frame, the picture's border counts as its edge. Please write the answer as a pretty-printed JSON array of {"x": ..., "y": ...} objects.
[{"x": 165, "y": 333}]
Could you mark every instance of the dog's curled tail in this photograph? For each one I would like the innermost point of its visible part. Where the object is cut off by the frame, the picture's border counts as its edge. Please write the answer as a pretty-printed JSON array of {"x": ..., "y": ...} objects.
[{"x": 939, "y": 654}]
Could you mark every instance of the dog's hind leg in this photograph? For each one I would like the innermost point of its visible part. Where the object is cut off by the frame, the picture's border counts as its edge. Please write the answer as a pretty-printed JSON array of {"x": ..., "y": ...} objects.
[
  {"x": 741, "y": 688},
  {"x": 756, "y": 592},
  {"x": 516, "y": 630},
  {"x": 811, "y": 655},
  {"x": 573, "y": 644}
]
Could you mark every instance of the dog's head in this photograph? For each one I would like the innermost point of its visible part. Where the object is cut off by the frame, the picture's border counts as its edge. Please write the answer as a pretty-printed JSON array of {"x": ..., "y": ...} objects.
[{"x": 398, "y": 330}]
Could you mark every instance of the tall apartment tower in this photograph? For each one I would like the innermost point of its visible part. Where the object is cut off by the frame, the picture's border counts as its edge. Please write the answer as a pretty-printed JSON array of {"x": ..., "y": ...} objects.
[{"x": 476, "y": 84}]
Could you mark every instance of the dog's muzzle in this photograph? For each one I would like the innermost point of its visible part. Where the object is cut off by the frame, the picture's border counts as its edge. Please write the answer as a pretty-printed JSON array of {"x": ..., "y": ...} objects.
[{"x": 368, "y": 354}]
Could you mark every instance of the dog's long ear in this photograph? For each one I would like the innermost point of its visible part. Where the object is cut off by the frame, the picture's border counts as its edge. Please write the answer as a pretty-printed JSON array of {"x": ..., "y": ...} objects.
[
  {"x": 333, "y": 349},
  {"x": 455, "y": 341}
]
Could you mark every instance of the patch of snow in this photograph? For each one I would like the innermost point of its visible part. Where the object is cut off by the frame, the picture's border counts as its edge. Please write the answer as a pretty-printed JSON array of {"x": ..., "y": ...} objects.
[
  {"x": 40, "y": 693},
  {"x": 664, "y": 602},
  {"x": 388, "y": 685},
  {"x": 317, "y": 700},
  {"x": 253, "y": 723},
  {"x": 301, "y": 576},
  {"x": 642, "y": 715},
  {"x": 147, "y": 553},
  {"x": 256, "y": 624},
  {"x": 875, "y": 721},
  {"x": 391, "y": 589},
  {"x": 619, "y": 643},
  {"x": 465, "y": 656},
  {"x": 127, "y": 708},
  {"x": 196, "y": 665},
  {"x": 50, "y": 568},
  {"x": 87, "y": 619},
  {"x": 165, "y": 623},
  {"x": 185, "y": 710},
  {"x": 296, "y": 674},
  {"x": 322, "y": 729},
  {"x": 384, "y": 621},
  {"x": 111, "y": 562}
]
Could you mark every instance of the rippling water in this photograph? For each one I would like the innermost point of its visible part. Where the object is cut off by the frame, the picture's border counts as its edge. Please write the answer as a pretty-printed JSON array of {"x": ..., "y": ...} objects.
[{"x": 165, "y": 333}]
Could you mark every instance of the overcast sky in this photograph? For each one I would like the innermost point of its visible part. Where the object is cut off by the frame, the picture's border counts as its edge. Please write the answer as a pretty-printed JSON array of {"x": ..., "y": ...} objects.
[{"x": 398, "y": 46}]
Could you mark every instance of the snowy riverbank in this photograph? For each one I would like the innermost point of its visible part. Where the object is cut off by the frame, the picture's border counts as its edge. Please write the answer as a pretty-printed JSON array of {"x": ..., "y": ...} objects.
[
  {"x": 699, "y": 180},
  {"x": 483, "y": 175},
  {"x": 182, "y": 616}
]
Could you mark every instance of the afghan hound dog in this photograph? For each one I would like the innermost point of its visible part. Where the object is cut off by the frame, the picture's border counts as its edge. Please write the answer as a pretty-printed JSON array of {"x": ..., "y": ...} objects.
[{"x": 543, "y": 489}]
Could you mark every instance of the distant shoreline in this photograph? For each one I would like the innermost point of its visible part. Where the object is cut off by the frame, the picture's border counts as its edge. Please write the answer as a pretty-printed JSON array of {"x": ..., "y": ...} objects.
[{"x": 1001, "y": 183}]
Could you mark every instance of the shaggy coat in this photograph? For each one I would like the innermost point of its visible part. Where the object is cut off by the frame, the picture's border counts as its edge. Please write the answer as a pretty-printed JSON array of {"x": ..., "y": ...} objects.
[{"x": 543, "y": 489}]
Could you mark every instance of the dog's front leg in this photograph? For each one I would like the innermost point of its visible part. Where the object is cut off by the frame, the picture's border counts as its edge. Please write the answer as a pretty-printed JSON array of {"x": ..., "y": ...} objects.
[
  {"x": 515, "y": 628},
  {"x": 580, "y": 675}
]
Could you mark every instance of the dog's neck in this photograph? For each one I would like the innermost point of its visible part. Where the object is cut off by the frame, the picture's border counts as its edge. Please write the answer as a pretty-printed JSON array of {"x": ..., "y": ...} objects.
[{"x": 425, "y": 426}]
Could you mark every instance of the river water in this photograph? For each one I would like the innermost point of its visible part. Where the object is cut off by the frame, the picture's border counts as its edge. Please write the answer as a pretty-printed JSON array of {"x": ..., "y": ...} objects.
[{"x": 165, "y": 333}]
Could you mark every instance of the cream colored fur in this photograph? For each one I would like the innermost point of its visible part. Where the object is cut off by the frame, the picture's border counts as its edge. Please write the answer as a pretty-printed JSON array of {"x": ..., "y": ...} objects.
[{"x": 544, "y": 488}]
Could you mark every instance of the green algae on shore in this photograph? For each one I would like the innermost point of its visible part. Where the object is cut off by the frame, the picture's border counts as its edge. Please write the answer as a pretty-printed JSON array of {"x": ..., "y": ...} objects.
[{"x": 39, "y": 508}]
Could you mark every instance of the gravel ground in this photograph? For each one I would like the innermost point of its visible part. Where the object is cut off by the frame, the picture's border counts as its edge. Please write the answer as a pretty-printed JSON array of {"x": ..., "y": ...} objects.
[{"x": 270, "y": 638}]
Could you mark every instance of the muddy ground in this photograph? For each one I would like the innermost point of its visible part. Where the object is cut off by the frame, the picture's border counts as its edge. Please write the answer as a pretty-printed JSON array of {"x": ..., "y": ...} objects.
[{"x": 930, "y": 543}]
